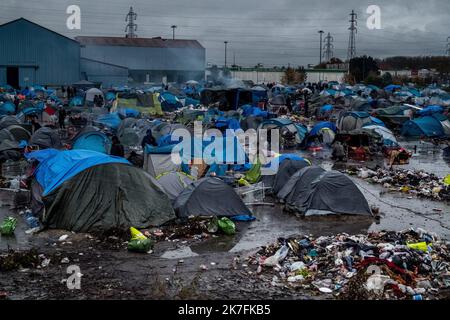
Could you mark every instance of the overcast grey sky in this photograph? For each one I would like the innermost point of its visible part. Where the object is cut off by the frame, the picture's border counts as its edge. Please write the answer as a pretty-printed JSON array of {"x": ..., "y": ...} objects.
[{"x": 275, "y": 32}]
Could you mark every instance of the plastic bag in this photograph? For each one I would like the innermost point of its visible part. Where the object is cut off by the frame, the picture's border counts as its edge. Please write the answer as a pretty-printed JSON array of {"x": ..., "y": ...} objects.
[
  {"x": 422, "y": 246},
  {"x": 213, "y": 225},
  {"x": 136, "y": 234},
  {"x": 8, "y": 226},
  {"x": 227, "y": 226},
  {"x": 140, "y": 245},
  {"x": 279, "y": 256}
]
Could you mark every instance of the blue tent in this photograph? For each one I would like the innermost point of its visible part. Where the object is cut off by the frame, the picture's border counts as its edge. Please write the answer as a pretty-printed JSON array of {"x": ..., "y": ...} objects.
[
  {"x": 128, "y": 113},
  {"x": 56, "y": 167},
  {"x": 76, "y": 101},
  {"x": 94, "y": 141},
  {"x": 392, "y": 87},
  {"x": 110, "y": 120},
  {"x": 428, "y": 111},
  {"x": 315, "y": 130},
  {"x": 110, "y": 96},
  {"x": 326, "y": 108},
  {"x": 377, "y": 122},
  {"x": 7, "y": 108},
  {"x": 429, "y": 126},
  {"x": 169, "y": 102},
  {"x": 286, "y": 156}
]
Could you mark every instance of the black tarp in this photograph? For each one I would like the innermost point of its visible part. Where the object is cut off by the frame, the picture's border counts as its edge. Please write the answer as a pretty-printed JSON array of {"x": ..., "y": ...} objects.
[
  {"x": 287, "y": 169},
  {"x": 108, "y": 196},
  {"x": 209, "y": 197},
  {"x": 314, "y": 191}
]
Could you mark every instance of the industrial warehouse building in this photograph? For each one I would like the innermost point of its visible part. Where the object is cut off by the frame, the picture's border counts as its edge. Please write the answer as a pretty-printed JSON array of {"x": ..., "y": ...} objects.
[
  {"x": 147, "y": 59},
  {"x": 32, "y": 54}
]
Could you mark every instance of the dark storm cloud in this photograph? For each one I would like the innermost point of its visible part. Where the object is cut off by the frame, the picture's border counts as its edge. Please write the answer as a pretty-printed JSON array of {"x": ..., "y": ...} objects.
[{"x": 269, "y": 32}]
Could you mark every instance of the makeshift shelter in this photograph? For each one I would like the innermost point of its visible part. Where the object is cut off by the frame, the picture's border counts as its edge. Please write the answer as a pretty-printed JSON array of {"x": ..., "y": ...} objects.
[
  {"x": 209, "y": 197},
  {"x": 7, "y": 108},
  {"x": 92, "y": 139},
  {"x": 91, "y": 93},
  {"x": 110, "y": 120},
  {"x": 106, "y": 196},
  {"x": 9, "y": 150},
  {"x": 19, "y": 133},
  {"x": 6, "y": 135},
  {"x": 314, "y": 191},
  {"x": 352, "y": 120},
  {"x": 388, "y": 137},
  {"x": 286, "y": 170},
  {"x": 169, "y": 102},
  {"x": 7, "y": 121},
  {"x": 435, "y": 125},
  {"x": 173, "y": 183},
  {"x": 158, "y": 160},
  {"x": 428, "y": 111},
  {"x": 46, "y": 138},
  {"x": 291, "y": 134}
]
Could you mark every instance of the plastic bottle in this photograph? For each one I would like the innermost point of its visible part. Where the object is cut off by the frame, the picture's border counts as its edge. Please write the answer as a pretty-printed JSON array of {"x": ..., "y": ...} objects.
[{"x": 417, "y": 297}]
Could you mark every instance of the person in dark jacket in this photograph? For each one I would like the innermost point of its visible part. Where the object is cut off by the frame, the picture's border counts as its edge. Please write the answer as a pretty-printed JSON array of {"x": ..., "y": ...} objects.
[
  {"x": 117, "y": 148},
  {"x": 149, "y": 139}
]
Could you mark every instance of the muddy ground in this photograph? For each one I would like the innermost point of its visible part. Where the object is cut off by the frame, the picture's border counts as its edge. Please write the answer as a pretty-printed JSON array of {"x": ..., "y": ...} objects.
[{"x": 176, "y": 269}]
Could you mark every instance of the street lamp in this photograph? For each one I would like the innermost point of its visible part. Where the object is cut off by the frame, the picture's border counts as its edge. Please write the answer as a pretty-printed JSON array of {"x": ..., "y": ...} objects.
[
  {"x": 173, "y": 31},
  {"x": 226, "y": 43}
]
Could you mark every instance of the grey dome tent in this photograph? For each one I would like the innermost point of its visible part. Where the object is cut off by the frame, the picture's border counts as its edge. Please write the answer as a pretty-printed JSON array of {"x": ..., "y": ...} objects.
[
  {"x": 5, "y": 134},
  {"x": 209, "y": 197},
  {"x": 46, "y": 138},
  {"x": 288, "y": 167},
  {"x": 19, "y": 133},
  {"x": 7, "y": 121},
  {"x": 314, "y": 191},
  {"x": 106, "y": 196},
  {"x": 173, "y": 183}
]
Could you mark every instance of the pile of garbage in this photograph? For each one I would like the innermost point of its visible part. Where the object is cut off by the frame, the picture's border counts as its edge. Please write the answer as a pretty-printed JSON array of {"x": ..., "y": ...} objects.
[
  {"x": 419, "y": 183},
  {"x": 411, "y": 264}
]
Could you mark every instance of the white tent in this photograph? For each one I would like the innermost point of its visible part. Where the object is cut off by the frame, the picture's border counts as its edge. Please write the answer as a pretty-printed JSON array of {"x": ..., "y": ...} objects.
[{"x": 91, "y": 93}]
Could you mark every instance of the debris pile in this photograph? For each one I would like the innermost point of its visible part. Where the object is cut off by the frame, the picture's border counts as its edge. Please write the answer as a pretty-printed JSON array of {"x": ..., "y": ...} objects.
[
  {"x": 420, "y": 183},
  {"x": 412, "y": 264}
]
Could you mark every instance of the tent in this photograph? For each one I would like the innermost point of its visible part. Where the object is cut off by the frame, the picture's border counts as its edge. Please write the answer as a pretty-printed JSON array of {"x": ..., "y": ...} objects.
[
  {"x": 91, "y": 93},
  {"x": 290, "y": 133},
  {"x": 169, "y": 102},
  {"x": 325, "y": 124},
  {"x": 429, "y": 126},
  {"x": 286, "y": 169},
  {"x": 173, "y": 183},
  {"x": 7, "y": 108},
  {"x": 92, "y": 139},
  {"x": 388, "y": 137},
  {"x": 209, "y": 197},
  {"x": 84, "y": 85},
  {"x": 158, "y": 160},
  {"x": 110, "y": 120},
  {"x": 46, "y": 138},
  {"x": 326, "y": 109},
  {"x": 5, "y": 134},
  {"x": 7, "y": 121},
  {"x": 56, "y": 167},
  {"x": 392, "y": 87},
  {"x": 314, "y": 191},
  {"x": 428, "y": 111},
  {"x": 351, "y": 120},
  {"x": 19, "y": 133},
  {"x": 10, "y": 150},
  {"x": 106, "y": 196}
]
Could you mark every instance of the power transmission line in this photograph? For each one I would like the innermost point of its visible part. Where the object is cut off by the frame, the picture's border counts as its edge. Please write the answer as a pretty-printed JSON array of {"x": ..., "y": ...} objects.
[
  {"x": 352, "y": 37},
  {"x": 131, "y": 26},
  {"x": 328, "y": 50}
]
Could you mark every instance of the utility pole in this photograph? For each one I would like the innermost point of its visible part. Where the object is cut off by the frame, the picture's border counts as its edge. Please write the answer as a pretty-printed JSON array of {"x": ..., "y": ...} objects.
[
  {"x": 226, "y": 43},
  {"x": 328, "y": 54},
  {"x": 352, "y": 38},
  {"x": 173, "y": 31},
  {"x": 131, "y": 26},
  {"x": 447, "y": 51},
  {"x": 320, "y": 54}
]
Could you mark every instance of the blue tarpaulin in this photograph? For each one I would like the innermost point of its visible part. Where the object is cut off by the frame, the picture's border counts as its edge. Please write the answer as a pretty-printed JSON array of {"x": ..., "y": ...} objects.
[
  {"x": 428, "y": 111},
  {"x": 110, "y": 120},
  {"x": 326, "y": 108},
  {"x": 56, "y": 167}
]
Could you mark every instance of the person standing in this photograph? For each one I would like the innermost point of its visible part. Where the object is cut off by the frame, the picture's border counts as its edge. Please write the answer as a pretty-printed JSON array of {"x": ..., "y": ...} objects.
[
  {"x": 62, "y": 117},
  {"x": 117, "y": 148}
]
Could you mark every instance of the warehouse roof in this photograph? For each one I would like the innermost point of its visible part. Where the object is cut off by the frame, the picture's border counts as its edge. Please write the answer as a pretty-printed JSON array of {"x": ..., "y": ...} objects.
[{"x": 139, "y": 42}]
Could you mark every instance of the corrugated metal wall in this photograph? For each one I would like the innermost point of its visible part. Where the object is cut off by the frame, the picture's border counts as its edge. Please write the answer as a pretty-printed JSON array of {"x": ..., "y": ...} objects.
[
  {"x": 44, "y": 57},
  {"x": 141, "y": 58},
  {"x": 107, "y": 74}
]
